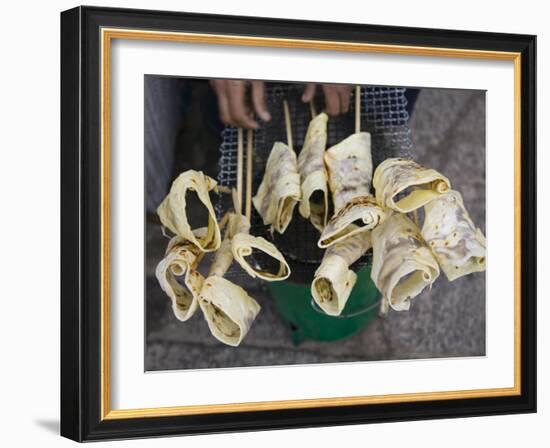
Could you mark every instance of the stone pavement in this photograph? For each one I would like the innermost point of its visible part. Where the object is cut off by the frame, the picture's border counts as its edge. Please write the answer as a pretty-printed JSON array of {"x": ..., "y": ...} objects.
[{"x": 448, "y": 131}]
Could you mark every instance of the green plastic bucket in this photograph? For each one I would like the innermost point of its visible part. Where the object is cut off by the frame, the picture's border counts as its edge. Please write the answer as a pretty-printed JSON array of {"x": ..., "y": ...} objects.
[{"x": 307, "y": 321}]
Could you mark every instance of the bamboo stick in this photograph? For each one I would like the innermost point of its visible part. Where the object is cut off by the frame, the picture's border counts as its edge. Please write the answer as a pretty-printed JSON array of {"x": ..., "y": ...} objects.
[
  {"x": 288, "y": 125},
  {"x": 312, "y": 109},
  {"x": 249, "y": 155},
  {"x": 415, "y": 217},
  {"x": 357, "y": 109},
  {"x": 223, "y": 221},
  {"x": 236, "y": 201},
  {"x": 239, "y": 168}
]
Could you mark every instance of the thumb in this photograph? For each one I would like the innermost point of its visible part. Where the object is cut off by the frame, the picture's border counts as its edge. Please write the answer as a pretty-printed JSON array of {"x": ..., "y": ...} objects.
[
  {"x": 309, "y": 93},
  {"x": 258, "y": 100}
]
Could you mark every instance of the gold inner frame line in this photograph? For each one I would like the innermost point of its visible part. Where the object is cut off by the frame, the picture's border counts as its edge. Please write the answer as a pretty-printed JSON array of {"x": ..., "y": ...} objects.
[{"x": 107, "y": 35}]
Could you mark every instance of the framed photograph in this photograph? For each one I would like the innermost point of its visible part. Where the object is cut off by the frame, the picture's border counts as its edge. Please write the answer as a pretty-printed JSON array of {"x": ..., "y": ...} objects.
[{"x": 277, "y": 224}]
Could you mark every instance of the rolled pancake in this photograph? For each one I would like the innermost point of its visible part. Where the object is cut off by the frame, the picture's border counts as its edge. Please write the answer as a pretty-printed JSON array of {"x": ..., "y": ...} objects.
[
  {"x": 334, "y": 281},
  {"x": 280, "y": 190},
  {"x": 457, "y": 244},
  {"x": 244, "y": 245},
  {"x": 227, "y": 308},
  {"x": 359, "y": 215},
  {"x": 403, "y": 265},
  {"x": 349, "y": 166},
  {"x": 419, "y": 185},
  {"x": 181, "y": 260},
  {"x": 313, "y": 174},
  {"x": 173, "y": 209},
  {"x": 224, "y": 257}
]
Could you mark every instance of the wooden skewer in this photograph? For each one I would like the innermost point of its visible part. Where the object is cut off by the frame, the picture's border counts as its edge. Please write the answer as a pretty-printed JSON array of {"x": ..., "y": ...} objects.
[
  {"x": 384, "y": 307},
  {"x": 239, "y": 168},
  {"x": 415, "y": 217},
  {"x": 236, "y": 200},
  {"x": 249, "y": 155},
  {"x": 357, "y": 109},
  {"x": 223, "y": 221},
  {"x": 288, "y": 126},
  {"x": 312, "y": 109}
]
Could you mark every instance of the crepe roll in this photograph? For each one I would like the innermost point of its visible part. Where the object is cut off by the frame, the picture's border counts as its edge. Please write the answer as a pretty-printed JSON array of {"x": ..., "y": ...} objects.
[
  {"x": 174, "y": 212},
  {"x": 181, "y": 260},
  {"x": 224, "y": 256},
  {"x": 457, "y": 244},
  {"x": 259, "y": 258},
  {"x": 313, "y": 174},
  {"x": 403, "y": 185},
  {"x": 334, "y": 281},
  {"x": 359, "y": 215},
  {"x": 349, "y": 166},
  {"x": 227, "y": 308},
  {"x": 403, "y": 265},
  {"x": 280, "y": 189}
]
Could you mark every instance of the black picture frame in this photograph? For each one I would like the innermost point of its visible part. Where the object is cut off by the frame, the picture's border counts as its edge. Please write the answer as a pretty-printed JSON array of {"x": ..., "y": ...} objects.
[{"x": 81, "y": 224}]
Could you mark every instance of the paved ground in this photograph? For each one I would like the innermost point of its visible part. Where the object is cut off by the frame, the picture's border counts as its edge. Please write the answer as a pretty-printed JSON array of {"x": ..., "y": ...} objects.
[{"x": 448, "y": 129}]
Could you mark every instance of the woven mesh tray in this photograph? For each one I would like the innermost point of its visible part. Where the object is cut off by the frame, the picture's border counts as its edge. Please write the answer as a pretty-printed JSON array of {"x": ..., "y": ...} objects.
[{"x": 383, "y": 114}]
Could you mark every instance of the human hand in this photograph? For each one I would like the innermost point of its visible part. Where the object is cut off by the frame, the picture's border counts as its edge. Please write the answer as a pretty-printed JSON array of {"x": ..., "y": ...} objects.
[
  {"x": 337, "y": 97},
  {"x": 232, "y": 104}
]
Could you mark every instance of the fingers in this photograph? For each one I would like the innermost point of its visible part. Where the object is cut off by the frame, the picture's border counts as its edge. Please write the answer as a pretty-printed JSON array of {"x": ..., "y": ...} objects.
[
  {"x": 258, "y": 100},
  {"x": 235, "y": 111},
  {"x": 332, "y": 100},
  {"x": 337, "y": 98},
  {"x": 241, "y": 115},
  {"x": 232, "y": 105},
  {"x": 309, "y": 93},
  {"x": 223, "y": 104},
  {"x": 345, "y": 96}
]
